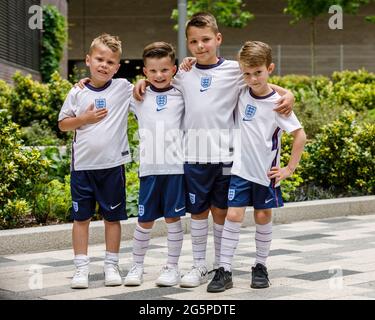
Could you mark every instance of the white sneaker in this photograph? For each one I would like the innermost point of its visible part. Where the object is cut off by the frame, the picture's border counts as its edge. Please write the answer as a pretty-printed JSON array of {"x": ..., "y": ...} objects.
[
  {"x": 134, "y": 276},
  {"x": 112, "y": 276},
  {"x": 81, "y": 278},
  {"x": 195, "y": 277},
  {"x": 169, "y": 276}
]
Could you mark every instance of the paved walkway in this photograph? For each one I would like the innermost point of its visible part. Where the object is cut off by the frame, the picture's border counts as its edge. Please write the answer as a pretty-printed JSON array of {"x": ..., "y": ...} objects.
[{"x": 322, "y": 259}]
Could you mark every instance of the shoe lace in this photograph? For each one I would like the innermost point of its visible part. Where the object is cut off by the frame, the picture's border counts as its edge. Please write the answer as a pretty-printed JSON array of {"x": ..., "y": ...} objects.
[
  {"x": 219, "y": 274},
  {"x": 113, "y": 267},
  {"x": 80, "y": 272},
  {"x": 259, "y": 269},
  {"x": 135, "y": 269}
]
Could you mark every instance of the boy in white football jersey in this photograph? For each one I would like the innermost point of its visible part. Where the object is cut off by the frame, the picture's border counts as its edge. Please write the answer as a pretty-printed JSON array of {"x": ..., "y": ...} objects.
[
  {"x": 162, "y": 190},
  {"x": 98, "y": 116},
  {"x": 256, "y": 171},
  {"x": 210, "y": 91}
]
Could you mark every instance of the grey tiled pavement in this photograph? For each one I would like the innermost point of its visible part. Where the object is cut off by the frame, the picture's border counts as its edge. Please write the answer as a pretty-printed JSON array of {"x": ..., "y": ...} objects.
[{"x": 320, "y": 259}]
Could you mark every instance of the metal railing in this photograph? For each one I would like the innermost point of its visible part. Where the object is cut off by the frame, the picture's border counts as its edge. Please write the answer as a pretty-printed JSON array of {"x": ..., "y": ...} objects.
[{"x": 296, "y": 59}]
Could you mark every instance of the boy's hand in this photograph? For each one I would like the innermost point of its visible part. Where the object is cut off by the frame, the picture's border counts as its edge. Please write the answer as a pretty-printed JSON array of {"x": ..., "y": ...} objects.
[
  {"x": 139, "y": 89},
  {"x": 279, "y": 173},
  {"x": 81, "y": 83},
  {"x": 285, "y": 104},
  {"x": 93, "y": 115},
  {"x": 187, "y": 63}
]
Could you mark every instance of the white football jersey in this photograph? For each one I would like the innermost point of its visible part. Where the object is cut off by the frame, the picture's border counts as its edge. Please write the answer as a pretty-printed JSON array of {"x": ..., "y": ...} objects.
[
  {"x": 104, "y": 144},
  {"x": 160, "y": 117},
  {"x": 210, "y": 93},
  {"x": 258, "y": 141}
]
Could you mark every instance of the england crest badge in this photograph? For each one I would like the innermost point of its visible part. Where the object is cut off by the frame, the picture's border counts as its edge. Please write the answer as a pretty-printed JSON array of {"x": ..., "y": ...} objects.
[
  {"x": 231, "y": 193},
  {"x": 249, "y": 112},
  {"x": 141, "y": 210},
  {"x": 192, "y": 198},
  {"x": 75, "y": 206},
  {"x": 100, "y": 103},
  {"x": 205, "y": 83},
  {"x": 161, "y": 101}
]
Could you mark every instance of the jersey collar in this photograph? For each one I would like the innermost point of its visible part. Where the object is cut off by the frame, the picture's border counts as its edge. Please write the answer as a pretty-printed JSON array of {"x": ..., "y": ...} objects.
[
  {"x": 210, "y": 66},
  {"x": 261, "y": 97},
  {"x": 89, "y": 86},
  {"x": 153, "y": 88}
]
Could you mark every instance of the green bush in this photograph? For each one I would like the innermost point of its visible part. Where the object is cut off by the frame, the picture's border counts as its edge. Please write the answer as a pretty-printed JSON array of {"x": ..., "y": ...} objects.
[
  {"x": 39, "y": 134},
  {"x": 54, "y": 37},
  {"x": 342, "y": 156},
  {"x": 20, "y": 170},
  {"x": 32, "y": 101},
  {"x": 319, "y": 99},
  {"x": 5, "y": 92},
  {"x": 52, "y": 201},
  {"x": 348, "y": 78},
  {"x": 291, "y": 184},
  {"x": 132, "y": 190}
]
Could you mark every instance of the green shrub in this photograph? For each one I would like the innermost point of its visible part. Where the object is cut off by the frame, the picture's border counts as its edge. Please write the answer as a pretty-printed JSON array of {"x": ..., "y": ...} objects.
[
  {"x": 358, "y": 96},
  {"x": 5, "y": 92},
  {"x": 52, "y": 201},
  {"x": 54, "y": 37},
  {"x": 289, "y": 185},
  {"x": 132, "y": 190},
  {"x": 20, "y": 170},
  {"x": 59, "y": 162},
  {"x": 342, "y": 156},
  {"x": 32, "y": 101},
  {"x": 13, "y": 213},
  {"x": 348, "y": 78},
  {"x": 39, "y": 134}
]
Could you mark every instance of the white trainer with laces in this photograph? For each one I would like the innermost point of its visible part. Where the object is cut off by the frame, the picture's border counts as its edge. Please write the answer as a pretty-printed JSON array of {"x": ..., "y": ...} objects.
[
  {"x": 112, "y": 276},
  {"x": 169, "y": 276},
  {"x": 195, "y": 277},
  {"x": 81, "y": 278},
  {"x": 134, "y": 276}
]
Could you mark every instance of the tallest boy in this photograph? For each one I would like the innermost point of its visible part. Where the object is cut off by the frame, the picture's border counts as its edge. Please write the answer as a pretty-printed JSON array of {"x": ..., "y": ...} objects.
[{"x": 210, "y": 90}]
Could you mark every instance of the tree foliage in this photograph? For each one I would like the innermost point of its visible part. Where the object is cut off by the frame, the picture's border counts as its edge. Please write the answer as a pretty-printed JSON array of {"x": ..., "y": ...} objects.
[{"x": 229, "y": 13}]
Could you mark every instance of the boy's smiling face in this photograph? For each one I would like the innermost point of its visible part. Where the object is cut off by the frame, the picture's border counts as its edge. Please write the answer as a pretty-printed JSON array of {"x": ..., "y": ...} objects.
[
  {"x": 203, "y": 44},
  {"x": 103, "y": 64},
  {"x": 159, "y": 71}
]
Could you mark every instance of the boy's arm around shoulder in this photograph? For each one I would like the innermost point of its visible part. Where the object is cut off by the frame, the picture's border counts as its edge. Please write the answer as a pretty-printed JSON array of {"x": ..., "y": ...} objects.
[{"x": 286, "y": 101}]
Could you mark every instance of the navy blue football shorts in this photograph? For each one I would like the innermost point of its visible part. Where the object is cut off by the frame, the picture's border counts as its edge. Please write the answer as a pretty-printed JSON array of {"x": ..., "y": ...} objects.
[
  {"x": 243, "y": 193},
  {"x": 206, "y": 185},
  {"x": 105, "y": 187},
  {"x": 161, "y": 196}
]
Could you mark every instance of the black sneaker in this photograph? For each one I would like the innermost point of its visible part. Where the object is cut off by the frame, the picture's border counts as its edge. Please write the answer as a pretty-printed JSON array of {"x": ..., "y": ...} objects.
[
  {"x": 259, "y": 277},
  {"x": 221, "y": 281}
]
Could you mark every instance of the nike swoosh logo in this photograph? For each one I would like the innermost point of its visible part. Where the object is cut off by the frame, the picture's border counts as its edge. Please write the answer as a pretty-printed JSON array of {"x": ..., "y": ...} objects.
[
  {"x": 115, "y": 206},
  {"x": 178, "y": 210},
  {"x": 268, "y": 200},
  {"x": 157, "y": 109},
  {"x": 203, "y": 90}
]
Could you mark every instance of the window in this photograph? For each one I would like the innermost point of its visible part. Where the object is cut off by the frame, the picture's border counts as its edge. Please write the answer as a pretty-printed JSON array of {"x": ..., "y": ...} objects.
[{"x": 18, "y": 43}]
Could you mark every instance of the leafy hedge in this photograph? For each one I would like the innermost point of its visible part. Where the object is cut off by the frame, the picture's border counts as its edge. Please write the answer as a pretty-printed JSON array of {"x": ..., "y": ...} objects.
[{"x": 20, "y": 170}]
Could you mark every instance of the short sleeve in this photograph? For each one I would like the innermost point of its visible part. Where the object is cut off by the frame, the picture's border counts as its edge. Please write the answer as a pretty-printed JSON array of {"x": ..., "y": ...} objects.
[
  {"x": 69, "y": 108},
  {"x": 288, "y": 124},
  {"x": 178, "y": 80}
]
